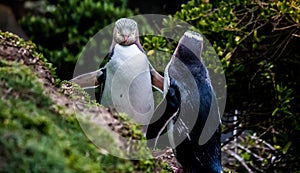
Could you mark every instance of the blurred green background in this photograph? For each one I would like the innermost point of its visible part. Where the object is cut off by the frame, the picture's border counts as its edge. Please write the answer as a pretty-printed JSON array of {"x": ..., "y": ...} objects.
[{"x": 258, "y": 44}]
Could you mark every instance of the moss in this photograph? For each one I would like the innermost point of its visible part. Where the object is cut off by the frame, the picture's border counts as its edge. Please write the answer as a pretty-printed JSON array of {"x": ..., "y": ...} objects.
[
  {"x": 76, "y": 92},
  {"x": 14, "y": 40},
  {"x": 41, "y": 134},
  {"x": 21, "y": 82},
  {"x": 34, "y": 140}
]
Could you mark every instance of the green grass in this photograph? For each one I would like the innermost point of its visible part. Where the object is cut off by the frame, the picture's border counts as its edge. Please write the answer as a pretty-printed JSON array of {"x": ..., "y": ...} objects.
[
  {"x": 39, "y": 135},
  {"x": 34, "y": 138}
]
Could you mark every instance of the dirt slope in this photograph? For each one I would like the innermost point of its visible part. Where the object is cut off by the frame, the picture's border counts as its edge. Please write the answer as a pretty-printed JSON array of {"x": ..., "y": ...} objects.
[{"x": 39, "y": 129}]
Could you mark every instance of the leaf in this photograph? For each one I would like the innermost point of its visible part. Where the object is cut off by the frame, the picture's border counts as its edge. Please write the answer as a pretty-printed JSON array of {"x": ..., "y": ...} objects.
[
  {"x": 286, "y": 147},
  {"x": 275, "y": 111},
  {"x": 150, "y": 52}
]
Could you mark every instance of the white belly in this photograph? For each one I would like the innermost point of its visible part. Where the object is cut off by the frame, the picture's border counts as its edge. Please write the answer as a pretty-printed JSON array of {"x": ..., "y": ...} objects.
[{"x": 128, "y": 86}]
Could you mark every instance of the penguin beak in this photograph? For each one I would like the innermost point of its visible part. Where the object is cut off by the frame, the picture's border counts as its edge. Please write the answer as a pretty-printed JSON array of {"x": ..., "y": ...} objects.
[{"x": 125, "y": 39}]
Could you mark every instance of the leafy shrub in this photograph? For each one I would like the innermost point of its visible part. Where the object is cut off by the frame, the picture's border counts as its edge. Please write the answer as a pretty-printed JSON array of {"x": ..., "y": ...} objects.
[
  {"x": 37, "y": 133},
  {"x": 65, "y": 27},
  {"x": 256, "y": 41}
]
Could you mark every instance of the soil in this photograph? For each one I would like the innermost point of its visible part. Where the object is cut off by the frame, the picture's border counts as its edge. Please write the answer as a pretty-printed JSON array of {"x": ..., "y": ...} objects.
[{"x": 11, "y": 51}]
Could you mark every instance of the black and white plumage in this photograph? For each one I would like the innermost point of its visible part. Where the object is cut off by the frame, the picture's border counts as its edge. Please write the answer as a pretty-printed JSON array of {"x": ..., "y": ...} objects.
[
  {"x": 189, "y": 111},
  {"x": 128, "y": 86},
  {"x": 125, "y": 33},
  {"x": 126, "y": 80}
]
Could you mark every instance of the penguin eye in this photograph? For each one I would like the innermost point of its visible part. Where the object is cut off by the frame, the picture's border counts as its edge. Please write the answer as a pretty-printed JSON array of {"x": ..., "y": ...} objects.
[{"x": 118, "y": 32}]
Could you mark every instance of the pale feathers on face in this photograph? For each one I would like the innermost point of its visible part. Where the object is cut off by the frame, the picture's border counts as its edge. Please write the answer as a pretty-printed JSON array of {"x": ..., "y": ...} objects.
[{"x": 125, "y": 31}]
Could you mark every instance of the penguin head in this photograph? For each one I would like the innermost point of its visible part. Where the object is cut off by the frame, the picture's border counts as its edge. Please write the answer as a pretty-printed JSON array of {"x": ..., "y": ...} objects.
[
  {"x": 125, "y": 31},
  {"x": 189, "y": 48}
]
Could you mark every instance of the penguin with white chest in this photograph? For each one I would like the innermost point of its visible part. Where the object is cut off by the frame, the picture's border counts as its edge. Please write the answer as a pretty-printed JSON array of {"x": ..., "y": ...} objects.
[
  {"x": 128, "y": 86},
  {"x": 126, "y": 80}
]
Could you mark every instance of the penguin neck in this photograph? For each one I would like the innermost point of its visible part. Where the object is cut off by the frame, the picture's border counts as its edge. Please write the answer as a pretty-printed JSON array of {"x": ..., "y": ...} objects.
[
  {"x": 127, "y": 48},
  {"x": 124, "y": 52}
]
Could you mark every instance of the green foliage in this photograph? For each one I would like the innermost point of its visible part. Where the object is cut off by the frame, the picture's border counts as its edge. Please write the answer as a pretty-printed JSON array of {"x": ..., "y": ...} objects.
[
  {"x": 34, "y": 142},
  {"x": 228, "y": 24},
  {"x": 79, "y": 93},
  {"x": 32, "y": 138},
  {"x": 159, "y": 51},
  {"x": 257, "y": 44},
  {"x": 65, "y": 27},
  {"x": 37, "y": 135},
  {"x": 22, "y": 83},
  {"x": 284, "y": 99},
  {"x": 28, "y": 45}
]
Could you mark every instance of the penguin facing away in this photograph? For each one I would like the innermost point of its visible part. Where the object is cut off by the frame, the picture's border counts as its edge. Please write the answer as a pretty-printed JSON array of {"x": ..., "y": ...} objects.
[{"x": 189, "y": 111}]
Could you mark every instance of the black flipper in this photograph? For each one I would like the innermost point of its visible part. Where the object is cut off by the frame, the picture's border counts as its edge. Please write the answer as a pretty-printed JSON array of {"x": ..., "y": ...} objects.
[
  {"x": 101, "y": 78},
  {"x": 101, "y": 83}
]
